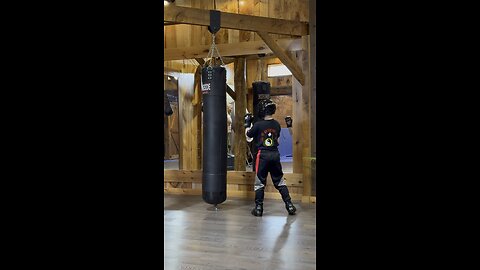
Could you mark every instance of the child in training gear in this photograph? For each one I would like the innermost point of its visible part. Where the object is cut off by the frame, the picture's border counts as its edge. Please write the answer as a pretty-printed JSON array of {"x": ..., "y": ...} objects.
[{"x": 265, "y": 133}]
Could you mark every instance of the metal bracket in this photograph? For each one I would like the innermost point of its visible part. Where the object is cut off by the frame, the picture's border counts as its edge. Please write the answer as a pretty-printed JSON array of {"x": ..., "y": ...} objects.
[{"x": 214, "y": 21}]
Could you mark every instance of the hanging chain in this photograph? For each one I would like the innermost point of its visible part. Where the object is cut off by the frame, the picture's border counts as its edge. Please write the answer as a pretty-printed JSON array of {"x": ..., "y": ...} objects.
[{"x": 211, "y": 54}]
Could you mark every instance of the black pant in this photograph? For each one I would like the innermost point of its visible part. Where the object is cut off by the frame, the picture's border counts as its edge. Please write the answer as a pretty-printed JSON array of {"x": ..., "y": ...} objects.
[{"x": 269, "y": 161}]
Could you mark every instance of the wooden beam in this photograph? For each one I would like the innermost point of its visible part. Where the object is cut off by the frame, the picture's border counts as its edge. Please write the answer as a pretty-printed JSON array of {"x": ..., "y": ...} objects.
[
  {"x": 197, "y": 16},
  {"x": 238, "y": 194},
  {"x": 230, "y": 49},
  {"x": 226, "y": 60},
  {"x": 179, "y": 66},
  {"x": 200, "y": 61},
  {"x": 283, "y": 56},
  {"x": 197, "y": 118},
  {"x": 233, "y": 177},
  {"x": 231, "y": 93},
  {"x": 260, "y": 56},
  {"x": 240, "y": 143}
]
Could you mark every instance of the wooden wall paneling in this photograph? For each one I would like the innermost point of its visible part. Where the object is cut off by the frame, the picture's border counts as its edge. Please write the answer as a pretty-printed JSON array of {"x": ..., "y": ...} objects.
[
  {"x": 221, "y": 36},
  {"x": 183, "y": 35},
  {"x": 196, "y": 38},
  {"x": 240, "y": 143},
  {"x": 233, "y": 35},
  {"x": 260, "y": 9},
  {"x": 246, "y": 7},
  {"x": 170, "y": 36},
  {"x": 304, "y": 10},
  {"x": 275, "y": 10},
  {"x": 206, "y": 36},
  {"x": 284, "y": 108},
  {"x": 281, "y": 81}
]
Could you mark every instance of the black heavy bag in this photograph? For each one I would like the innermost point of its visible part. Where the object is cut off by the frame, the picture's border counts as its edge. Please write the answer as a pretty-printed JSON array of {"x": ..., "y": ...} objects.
[
  {"x": 214, "y": 184},
  {"x": 166, "y": 105},
  {"x": 261, "y": 90}
]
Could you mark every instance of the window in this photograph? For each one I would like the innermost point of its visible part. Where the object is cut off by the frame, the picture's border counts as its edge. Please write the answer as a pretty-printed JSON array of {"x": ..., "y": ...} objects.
[{"x": 277, "y": 70}]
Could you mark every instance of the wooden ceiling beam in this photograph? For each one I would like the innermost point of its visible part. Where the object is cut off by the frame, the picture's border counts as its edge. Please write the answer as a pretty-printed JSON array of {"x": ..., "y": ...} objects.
[
  {"x": 231, "y": 49},
  {"x": 195, "y": 16},
  {"x": 283, "y": 56}
]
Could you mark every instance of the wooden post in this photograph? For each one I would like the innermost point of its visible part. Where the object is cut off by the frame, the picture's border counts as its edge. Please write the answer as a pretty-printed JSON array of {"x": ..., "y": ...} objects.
[
  {"x": 240, "y": 144},
  {"x": 188, "y": 158},
  {"x": 312, "y": 69},
  {"x": 297, "y": 136},
  {"x": 197, "y": 120},
  {"x": 303, "y": 111},
  {"x": 166, "y": 137},
  {"x": 251, "y": 67}
]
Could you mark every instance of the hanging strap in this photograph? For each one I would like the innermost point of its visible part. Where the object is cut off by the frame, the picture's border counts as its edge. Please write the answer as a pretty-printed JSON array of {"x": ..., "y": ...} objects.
[{"x": 213, "y": 28}]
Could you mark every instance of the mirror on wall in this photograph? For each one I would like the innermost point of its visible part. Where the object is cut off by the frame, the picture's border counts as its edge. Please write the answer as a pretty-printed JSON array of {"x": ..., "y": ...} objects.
[{"x": 170, "y": 117}]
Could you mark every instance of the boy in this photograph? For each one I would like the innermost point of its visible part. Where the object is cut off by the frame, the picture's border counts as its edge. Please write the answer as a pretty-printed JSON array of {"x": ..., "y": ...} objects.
[{"x": 265, "y": 134}]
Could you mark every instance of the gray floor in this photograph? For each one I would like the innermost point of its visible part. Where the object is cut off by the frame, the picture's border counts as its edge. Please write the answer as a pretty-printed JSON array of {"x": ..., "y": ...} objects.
[
  {"x": 198, "y": 237},
  {"x": 173, "y": 165}
]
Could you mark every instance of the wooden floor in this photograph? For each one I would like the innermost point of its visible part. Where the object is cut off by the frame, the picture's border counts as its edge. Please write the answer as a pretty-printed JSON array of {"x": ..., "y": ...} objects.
[{"x": 198, "y": 237}]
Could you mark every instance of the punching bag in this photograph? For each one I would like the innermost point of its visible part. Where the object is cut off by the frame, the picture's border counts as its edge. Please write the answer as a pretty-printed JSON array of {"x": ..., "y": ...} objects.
[
  {"x": 261, "y": 90},
  {"x": 166, "y": 105},
  {"x": 214, "y": 182}
]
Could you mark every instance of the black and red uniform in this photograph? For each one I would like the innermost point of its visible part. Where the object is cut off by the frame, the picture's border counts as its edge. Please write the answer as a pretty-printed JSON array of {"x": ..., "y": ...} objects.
[{"x": 265, "y": 134}]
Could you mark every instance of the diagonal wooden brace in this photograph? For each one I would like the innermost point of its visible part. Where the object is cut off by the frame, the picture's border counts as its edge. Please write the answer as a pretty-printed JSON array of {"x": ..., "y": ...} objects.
[{"x": 283, "y": 56}]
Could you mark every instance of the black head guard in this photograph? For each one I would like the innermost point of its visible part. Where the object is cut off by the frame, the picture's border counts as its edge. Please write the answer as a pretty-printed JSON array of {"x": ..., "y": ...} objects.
[{"x": 266, "y": 107}]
